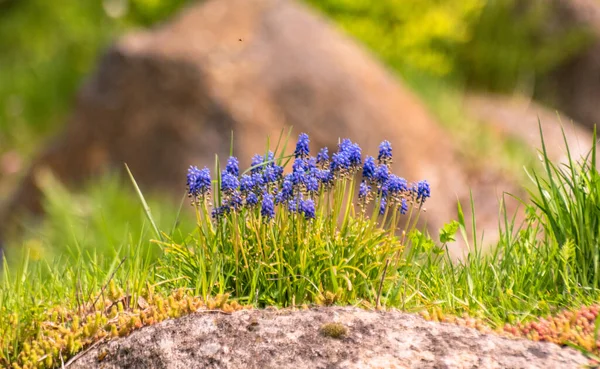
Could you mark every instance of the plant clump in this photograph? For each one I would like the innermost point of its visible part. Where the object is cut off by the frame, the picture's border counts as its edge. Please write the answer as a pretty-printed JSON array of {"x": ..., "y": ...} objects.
[
  {"x": 333, "y": 330},
  {"x": 277, "y": 238}
]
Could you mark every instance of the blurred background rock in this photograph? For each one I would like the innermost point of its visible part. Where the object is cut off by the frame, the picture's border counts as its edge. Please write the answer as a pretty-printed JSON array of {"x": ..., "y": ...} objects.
[{"x": 483, "y": 69}]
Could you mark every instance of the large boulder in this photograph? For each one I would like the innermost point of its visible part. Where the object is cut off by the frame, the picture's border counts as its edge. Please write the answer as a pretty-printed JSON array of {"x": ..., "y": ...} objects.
[
  {"x": 301, "y": 339},
  {"x": 163, "y": 99}
]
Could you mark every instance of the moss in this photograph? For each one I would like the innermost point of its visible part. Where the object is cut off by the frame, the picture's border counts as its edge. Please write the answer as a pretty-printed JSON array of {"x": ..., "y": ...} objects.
[
  {"x": 334, "y": 330},
  {"x": 71, "y": 331},
  {"x": 567, "y": 327}
]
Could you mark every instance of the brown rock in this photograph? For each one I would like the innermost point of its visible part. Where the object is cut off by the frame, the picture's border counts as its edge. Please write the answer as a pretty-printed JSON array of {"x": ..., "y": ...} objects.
[
  {"x": 521, "y": 118},
  {"x": 164, "y": 99},
  {"x": 287, "y": 339}
]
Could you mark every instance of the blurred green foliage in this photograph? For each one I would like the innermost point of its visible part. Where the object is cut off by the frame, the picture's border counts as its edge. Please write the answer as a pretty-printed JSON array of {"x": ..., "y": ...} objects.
[
  {"x": 98, "y": 220},
  {"x": 518, "y": 43},
  {"x": 492, "y": 44},
  {"x": 47, "y": 47},
  {"x": 409, "y": 35}
]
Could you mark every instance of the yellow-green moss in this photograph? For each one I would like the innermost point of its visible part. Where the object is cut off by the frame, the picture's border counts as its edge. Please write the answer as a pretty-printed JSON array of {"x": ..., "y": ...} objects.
[
  {"x": 333, "y": 330},
  {"x": 64, "y": 333}
]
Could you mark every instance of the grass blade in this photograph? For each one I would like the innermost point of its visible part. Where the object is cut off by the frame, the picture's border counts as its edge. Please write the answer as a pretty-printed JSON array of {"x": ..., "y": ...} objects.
[{"x": 144, "y": 204}]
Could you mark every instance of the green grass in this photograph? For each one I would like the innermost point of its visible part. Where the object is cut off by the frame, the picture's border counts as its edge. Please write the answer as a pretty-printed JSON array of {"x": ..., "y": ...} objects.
[
  {"x": 546, "y": 262},
  {"x": 87, "y": 254},
  {"x": 89, "y": 238},
  {"x": 103, "y": 217}
]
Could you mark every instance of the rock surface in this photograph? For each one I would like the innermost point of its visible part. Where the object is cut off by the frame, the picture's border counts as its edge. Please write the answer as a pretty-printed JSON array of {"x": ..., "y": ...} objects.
[
  {"x": 294, "y": 339},
  {"x": 521, "y": 118}
]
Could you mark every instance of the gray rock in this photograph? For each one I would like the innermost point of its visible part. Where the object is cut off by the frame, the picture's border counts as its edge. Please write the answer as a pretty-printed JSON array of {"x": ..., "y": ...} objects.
[{"x": 293, "y": 339}]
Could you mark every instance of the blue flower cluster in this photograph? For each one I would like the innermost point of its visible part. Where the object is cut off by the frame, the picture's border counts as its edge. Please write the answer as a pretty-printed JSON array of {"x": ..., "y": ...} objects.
[
  {"x": 198, "y": 182},
  {"x": 265, "y": 185},
  {"x": 377, "y": 181}
]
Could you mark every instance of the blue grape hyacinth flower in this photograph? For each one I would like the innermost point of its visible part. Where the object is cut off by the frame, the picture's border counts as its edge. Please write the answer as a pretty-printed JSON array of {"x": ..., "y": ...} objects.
[
  {"x": 323, "y": 156},
  {"x": 271, "y": 174},
  {"x": 369, "y": 168},
  {"x": 403, "y": 206},
  {"x": 354, "y": 153},
  {"x": 258, "y": 180},
  {"x": 312, "y": 184},
  {"x": 255, "y": 164},
  {"x": 198, "y": 182},
  {"x": 302, "y": 149},
  {"x": 423, "y": 191},
  {"x": 307, "y": 207},
  {"x": 340, "y": 162},
  {"x": 236, "y": 200},
  {"x": 382, "y": 173},
  {"x": 246, "y": 183},
  {"x": 267, "y": 209},
  {"x": 351, "y": 152},
  {"x": 293, "y": 206},
  {"x": 251, "y": 199},
  {"x": 382, "y": 206},
  {"x": 229, "y": 182},
  {"x": 233, "y": 166},
  {"x": 396, "y": 185},
  {"x": 299, "y": 166},
  {"x": 364, "y": 190},
  {"x": 385, "y": 152}
]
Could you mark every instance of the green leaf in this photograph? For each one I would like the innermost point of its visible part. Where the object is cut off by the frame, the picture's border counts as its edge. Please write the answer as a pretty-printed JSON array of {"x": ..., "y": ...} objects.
[{"x": 448, "y": 231}]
